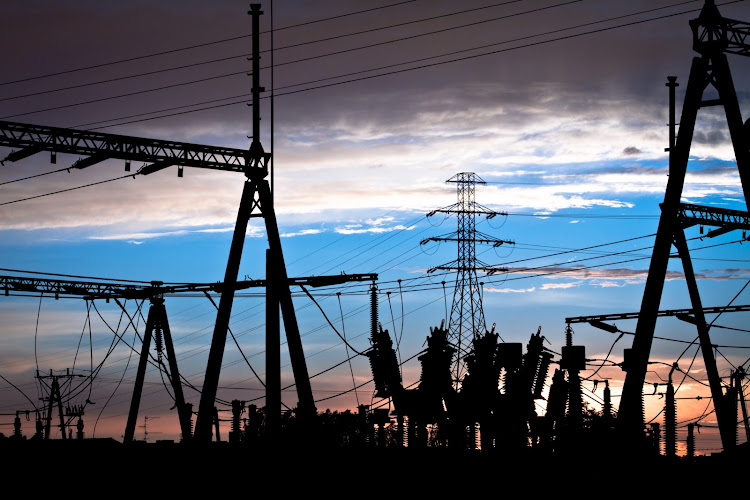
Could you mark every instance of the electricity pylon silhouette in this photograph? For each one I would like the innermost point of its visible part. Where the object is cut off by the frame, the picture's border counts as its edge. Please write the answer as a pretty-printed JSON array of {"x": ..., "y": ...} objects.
[
  {"x": 713, "y": 37},
  {"x": 467, "y": 315}
]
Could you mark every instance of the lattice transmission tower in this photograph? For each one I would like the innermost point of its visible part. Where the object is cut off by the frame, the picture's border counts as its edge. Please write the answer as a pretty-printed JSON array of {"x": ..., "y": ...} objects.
[{"x": 466, "y": 319}]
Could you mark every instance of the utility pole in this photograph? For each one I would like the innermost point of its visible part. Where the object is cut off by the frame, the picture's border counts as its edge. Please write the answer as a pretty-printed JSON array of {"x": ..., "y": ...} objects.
[{"x": 256, "y": 202}]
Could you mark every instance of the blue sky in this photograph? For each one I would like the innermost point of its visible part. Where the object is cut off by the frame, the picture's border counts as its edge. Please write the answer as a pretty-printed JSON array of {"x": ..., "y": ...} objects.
[{"x": 569, "y": 136}]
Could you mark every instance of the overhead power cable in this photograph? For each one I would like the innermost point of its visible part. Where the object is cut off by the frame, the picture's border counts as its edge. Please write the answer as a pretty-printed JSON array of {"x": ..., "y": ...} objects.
[
  {"x": 128, "y": 94},
  {"x": 247, "y": 361},
  {"x": 290, "y": 92},
  {"x": 35, "y": 176},
  {"x": 23, "y": 271},
  {"x": 309, "y": 42},
  {"x": 244, "y": 72},
  {"x": 331, "y": 324},
  {"x": 577, "y": 250},
  {"x": 328, "y": 54},
  {"x": 200, "y": 45},
  {"x": 66, "y": 190}
]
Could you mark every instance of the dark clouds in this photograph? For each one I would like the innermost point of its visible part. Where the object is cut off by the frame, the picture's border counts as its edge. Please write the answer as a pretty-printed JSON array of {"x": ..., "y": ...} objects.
[
  {"x": 712, "y": 137},
  {"x": 621, "y": 64}
]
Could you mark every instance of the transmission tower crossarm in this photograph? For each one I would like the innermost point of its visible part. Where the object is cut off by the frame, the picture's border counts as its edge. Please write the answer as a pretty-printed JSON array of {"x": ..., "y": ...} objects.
[
  {"x": 480, "y": 211},
  {"x": 662, "y": 313},
  {"x": 486, "y": 269},
  {"x": 112, "y": 290},
  {"x": 489, "y": 241},
  {"x": 690, "y": 214},
  {"x": 738, "y": 35},
  {"x": 99, "y": 146}
]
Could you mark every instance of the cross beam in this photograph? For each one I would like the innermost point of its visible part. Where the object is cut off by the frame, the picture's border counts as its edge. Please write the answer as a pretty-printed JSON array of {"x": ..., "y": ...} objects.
[
  {"x": 689, "y": 215},
  {"x": 109, "y": 290},
  {"x": 666, "y": 312},
  {"x": 32, "y": 139}
]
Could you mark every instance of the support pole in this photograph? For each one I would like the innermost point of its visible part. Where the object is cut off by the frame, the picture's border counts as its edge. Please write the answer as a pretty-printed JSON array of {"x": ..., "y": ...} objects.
[
  {"x": 56, "y": 389},
  {"x": 306, "y": 405},
  {"x": 255, "y": 12},
  {"x": 256, "y": 170},
  {"x": 273, "y": 350},
  {"x": 183, "y": 411},
  {"x": 218, "y": 342},
  {"x": 216, "y": 424},
  {"x": 48, "y": 424},
  {"x": 135, "y": 402},
  {"x": 739, "y": 378},
  {"x": 630, "y": 416},
  {"x": 726, "y": 424}
]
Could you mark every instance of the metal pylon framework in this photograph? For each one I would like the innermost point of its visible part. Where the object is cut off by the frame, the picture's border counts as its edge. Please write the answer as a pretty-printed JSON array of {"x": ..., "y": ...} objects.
[
  {"x": 467, "y": 315},
  {"x": 713, "y": 37}
]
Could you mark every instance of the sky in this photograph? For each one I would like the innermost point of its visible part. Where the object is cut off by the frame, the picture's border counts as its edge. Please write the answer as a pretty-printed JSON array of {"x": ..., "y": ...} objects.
[{"x": 559, "y": 106}]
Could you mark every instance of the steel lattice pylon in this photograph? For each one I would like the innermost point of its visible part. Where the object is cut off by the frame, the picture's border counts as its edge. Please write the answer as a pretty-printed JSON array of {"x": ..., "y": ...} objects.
[{"x": 467, "y": 315}]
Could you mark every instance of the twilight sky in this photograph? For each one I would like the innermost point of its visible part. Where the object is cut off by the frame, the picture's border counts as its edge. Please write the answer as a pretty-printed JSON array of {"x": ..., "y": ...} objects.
[{"x": 559, "y": 105}]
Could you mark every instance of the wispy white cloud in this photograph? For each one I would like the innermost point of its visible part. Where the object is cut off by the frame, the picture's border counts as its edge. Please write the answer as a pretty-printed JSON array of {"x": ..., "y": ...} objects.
[
  {"x": 616, "y": 277},
  {"x": 491, "y": 289},
  {"x": 553, "y": 286},
  {"x": 303, "y": 232},
  {"x": 137, "y": 238},
  {"x": 220, "y": 230},
  {"x": 377, "y": 229},
  {"x": 610, "y": 284}
]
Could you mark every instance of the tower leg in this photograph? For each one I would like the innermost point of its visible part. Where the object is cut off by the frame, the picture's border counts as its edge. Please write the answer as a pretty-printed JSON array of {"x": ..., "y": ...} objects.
[
  {"x": 630, "y": 416},
  {"x": 179, "y": 398},
  {"x": 306, "y": 406},
  {"x": 140, "y": 375},
  {"x": 273, "y": 352},
  {"x": 725, "y": 426},
  {"x": 218, "y": 342}
]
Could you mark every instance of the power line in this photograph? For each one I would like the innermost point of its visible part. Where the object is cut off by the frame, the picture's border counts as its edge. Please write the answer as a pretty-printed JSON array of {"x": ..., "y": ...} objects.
[
  {"x": 23, "y": 271},
  {"x": 627, "y": 240},
  {"x": 409, "y": 62},
  {"x": 243, "y": 72},
  {"x": 309, "y": 42},
  {"x": 128, "y": 94},
  {"x": 66, "y": 190},
  {"x": 205, "y": 44},
  {"x": 583, "y": 216},
  {"x": 35, "y": 176},
  {"x": 395, "y": 40}
]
